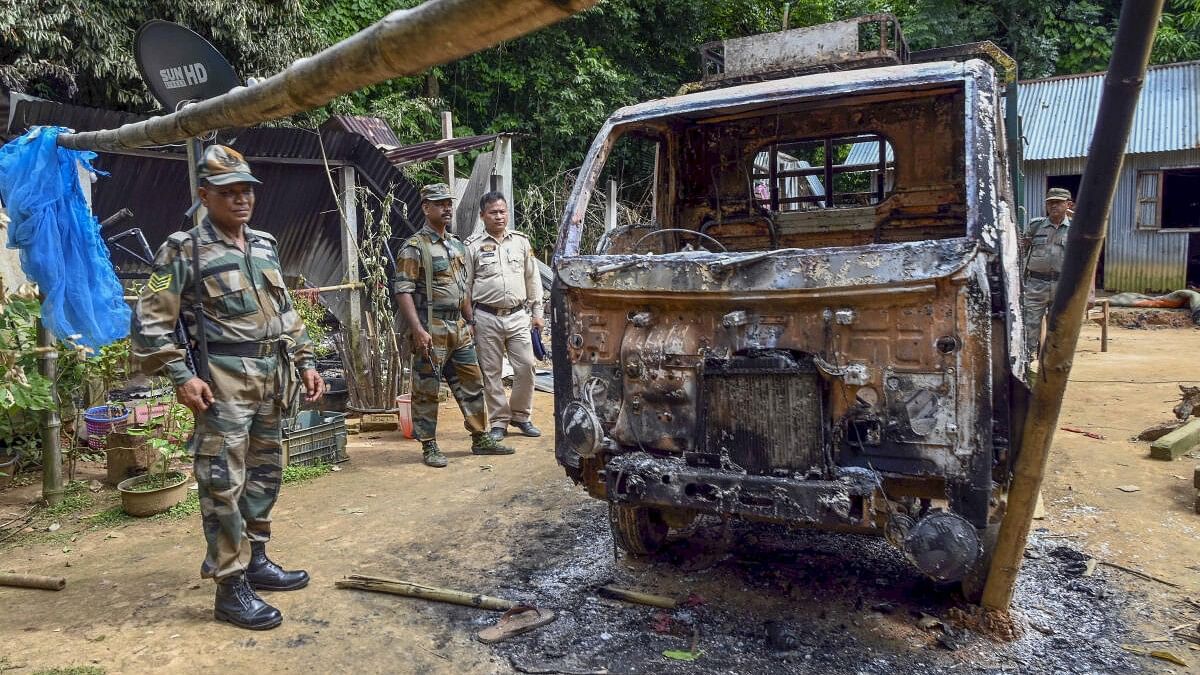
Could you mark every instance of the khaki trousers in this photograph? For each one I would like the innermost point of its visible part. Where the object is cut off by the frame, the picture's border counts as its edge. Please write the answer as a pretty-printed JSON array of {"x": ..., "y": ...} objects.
[{"x": 496, "y": 336}]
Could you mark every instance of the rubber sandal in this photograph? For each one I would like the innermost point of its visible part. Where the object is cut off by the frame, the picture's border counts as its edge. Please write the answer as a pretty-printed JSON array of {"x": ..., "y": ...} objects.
[{"x": 520, "y": 619}]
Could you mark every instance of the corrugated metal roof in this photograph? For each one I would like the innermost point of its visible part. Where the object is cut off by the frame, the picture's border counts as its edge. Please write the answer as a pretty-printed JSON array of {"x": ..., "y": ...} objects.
[
  {"x": 867, "y": 152},
  {"x": 423, "y": 152},
  {"x": 372, "y": 128},
  {"x": 296, "y": 203},
  {"x": 1058, "y": 114}
]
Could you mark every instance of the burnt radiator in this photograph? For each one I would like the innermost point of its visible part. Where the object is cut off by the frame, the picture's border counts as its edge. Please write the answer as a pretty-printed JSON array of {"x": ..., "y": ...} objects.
[{"x": 764, "y": 413}]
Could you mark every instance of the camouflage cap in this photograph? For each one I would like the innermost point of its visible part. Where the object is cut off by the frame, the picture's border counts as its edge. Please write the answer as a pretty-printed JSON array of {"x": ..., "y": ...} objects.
[
  {"x": 436, "y": 192},
  {"x": 1058, "y": 195},
  {"x": 222, "y": 165}
]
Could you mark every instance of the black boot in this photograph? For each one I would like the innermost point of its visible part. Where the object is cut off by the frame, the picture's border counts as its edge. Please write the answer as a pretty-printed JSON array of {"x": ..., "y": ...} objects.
[
  {"x": 238, "y": 604},
  {"x": 265, "y": 575}
]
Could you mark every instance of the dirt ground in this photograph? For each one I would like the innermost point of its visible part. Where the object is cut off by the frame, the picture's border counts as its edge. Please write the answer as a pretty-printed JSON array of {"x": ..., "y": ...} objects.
[{"x": 763, "y": 599}]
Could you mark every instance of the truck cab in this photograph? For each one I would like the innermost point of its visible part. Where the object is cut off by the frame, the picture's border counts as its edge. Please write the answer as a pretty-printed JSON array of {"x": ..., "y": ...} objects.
[{"x": 811, "y": 316}]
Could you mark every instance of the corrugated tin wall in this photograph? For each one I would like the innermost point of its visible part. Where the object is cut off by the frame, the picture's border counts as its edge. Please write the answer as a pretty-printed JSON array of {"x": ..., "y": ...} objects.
[{"x": 1137, "y": 261}]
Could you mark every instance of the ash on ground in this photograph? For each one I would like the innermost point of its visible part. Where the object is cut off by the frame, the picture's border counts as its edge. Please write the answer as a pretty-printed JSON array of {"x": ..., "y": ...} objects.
[{"x": 765, "y": 599}]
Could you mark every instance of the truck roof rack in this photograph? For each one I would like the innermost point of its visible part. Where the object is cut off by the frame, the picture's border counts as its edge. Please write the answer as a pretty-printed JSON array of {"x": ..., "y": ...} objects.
[{"x": 863, "y": 42}]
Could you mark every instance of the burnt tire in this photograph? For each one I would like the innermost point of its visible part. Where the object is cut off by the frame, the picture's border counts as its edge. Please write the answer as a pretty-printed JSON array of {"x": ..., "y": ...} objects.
[
  {"x": 638, "y": 530},
  {"x": 972, "y": 584}
]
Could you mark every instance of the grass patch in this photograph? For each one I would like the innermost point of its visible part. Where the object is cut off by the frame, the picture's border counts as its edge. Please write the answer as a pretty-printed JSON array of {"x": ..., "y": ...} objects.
[
  {"x": 299, "y": 474},
  {"x": 110, "y": 517},
  {"x": 71, "y": 670},
  {"x": 75, "y": 498},
  {"x": 184, "y": 509}
]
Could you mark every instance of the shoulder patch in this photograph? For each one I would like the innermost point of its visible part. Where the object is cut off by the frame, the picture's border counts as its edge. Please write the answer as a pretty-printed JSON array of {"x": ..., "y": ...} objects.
[
  {"x": 471, "y": 239},
  {"x": 158, "y": 282},
  {"x": 519, "y": 233},
  {"x": 179, "y": 238}
]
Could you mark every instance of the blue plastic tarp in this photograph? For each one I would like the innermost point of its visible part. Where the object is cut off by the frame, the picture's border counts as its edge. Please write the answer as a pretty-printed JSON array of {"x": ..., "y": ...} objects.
[{"x": 59, "y": 239}]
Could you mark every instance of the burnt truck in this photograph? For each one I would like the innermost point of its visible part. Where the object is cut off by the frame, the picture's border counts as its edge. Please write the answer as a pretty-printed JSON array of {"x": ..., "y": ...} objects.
[{"x": 814, "y": 319}]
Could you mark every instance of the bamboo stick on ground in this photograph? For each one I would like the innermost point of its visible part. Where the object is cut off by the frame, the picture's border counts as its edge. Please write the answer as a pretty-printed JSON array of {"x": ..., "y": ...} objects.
[
  {"x": 411, "y": 590},
  {"x": 32, "y": 581},
  {"x": 638, "y": 598}
]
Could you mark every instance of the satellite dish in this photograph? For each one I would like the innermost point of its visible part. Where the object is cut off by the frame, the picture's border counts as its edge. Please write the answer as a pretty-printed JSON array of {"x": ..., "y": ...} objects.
[{"x": 178, "y": 65}]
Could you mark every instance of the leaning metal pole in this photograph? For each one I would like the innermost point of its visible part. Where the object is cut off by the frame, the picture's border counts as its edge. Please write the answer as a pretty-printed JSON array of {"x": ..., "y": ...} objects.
[
  {"x": 1122, "y": 86},
  {"x": 405, "y": 42}
]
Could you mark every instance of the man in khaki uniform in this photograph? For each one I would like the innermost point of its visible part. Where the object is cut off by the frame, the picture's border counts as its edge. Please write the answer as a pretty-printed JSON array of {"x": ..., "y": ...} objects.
[
  {"x": 430, "y": 290},
  {"x": 1044, "y": 245},
  {"x": 256, "y": 341},
  {"x": 505, "y": 288}
]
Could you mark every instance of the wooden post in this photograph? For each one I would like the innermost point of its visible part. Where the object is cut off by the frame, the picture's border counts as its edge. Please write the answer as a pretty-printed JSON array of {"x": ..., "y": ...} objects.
[
  {"x": 1122, "y": 88},
  {"x": 1104, "y": 313},
  {"x": 448, "y": 133},
  {"x": 194, "y": 149},
  {"x": 610, "y": 207},
  {"x": 349, "y": 207},
  {"x": 502, "y": 168}
]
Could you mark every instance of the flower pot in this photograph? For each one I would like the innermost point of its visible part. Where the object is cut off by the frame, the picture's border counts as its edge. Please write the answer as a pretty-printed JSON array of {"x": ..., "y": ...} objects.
[
  {"x": 147, "y": 502},
  {"x": 8, "y": 469}
]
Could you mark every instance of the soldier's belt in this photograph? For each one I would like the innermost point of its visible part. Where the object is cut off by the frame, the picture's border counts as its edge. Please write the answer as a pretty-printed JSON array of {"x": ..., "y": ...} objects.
[
  {"x": 1044, "y": 276},
  {"x": 443, "y": 313},
  {"x": 247, "y": 350},
  {"x": 498, "y": 311}
]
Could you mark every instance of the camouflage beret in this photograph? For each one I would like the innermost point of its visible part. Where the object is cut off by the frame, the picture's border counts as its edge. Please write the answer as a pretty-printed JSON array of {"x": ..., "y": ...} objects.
[
  {"x": 222, "y": 165},
  {"x": 436, "y": 192}
]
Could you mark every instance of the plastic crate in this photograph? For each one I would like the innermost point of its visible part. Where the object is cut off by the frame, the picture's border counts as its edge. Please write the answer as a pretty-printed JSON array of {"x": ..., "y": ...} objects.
[{"x": 315, "y": 437}]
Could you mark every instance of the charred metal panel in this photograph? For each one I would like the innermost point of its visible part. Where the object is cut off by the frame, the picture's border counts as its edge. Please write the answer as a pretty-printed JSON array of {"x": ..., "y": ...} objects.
[
  {"x": 764, "y": 414},
  {"x": 642, "y": 478}
]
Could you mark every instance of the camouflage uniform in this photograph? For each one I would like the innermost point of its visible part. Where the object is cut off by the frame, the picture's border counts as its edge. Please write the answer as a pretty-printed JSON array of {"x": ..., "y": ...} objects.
[
  {"x": 1043, "y": 262},
  {"x": 453, "y": 346},
  {"x": 238, "y": 462}
]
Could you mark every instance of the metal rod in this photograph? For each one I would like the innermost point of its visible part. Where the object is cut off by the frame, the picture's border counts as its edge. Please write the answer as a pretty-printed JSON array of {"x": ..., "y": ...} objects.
[
  {"x": 445, "y": 30},
  {"x": 1122, "y": 87}
]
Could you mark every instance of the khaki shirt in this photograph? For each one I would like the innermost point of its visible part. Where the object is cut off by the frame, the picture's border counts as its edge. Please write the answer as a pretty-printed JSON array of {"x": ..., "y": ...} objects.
[
  {"x": 503, "y": 273},
  {"x": 447, "y": 255},
  {"x": 245, "y": 299},
  {"x": 1047, "y": 245}
]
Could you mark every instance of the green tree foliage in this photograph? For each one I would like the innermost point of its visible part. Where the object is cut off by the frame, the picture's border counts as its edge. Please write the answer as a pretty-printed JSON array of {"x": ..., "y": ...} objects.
[
  {"x": 82, "y": 50},
  {"x": 554, "y": 87}
]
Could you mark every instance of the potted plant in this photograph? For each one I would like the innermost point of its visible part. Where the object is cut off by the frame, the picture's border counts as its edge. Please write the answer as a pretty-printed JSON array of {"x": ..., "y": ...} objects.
[{"x": 158, "y": 490}]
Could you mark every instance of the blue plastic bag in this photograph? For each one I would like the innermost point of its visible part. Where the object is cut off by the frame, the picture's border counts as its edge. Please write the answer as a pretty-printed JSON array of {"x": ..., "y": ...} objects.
[{"x": 59, "y": 239}]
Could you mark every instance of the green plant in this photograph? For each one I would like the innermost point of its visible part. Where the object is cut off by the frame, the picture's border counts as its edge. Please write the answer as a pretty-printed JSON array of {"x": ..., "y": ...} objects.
[
  {"x": 76, "y": 497},
  {"x": 23, "y": 390},
  {"x": 298, "y": 474},
  {"x": 312, "y": 314},
  {"x": 162, "y": 433}
]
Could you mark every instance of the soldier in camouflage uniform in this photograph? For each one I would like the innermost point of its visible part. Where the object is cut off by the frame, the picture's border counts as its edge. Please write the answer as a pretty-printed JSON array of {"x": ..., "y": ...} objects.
[
  {"x": 251, "y": 326},
  {"x": 1044, "y": 244},
  {"x": 439, "y": 317}
]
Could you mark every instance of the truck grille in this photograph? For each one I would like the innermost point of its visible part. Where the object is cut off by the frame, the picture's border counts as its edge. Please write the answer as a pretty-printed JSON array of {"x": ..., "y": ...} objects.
[{"x": 764, "y": 413}]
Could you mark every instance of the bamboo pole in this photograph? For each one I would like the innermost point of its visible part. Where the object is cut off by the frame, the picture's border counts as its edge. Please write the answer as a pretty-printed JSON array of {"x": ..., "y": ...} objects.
[
  {"x": 411, "y": 590},
  {"x": 638, "y": 598},
  {"x": 32, "y": 581},
  {"x": 1122, "y": 87},
  {"x": 405, "y": 42}
]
